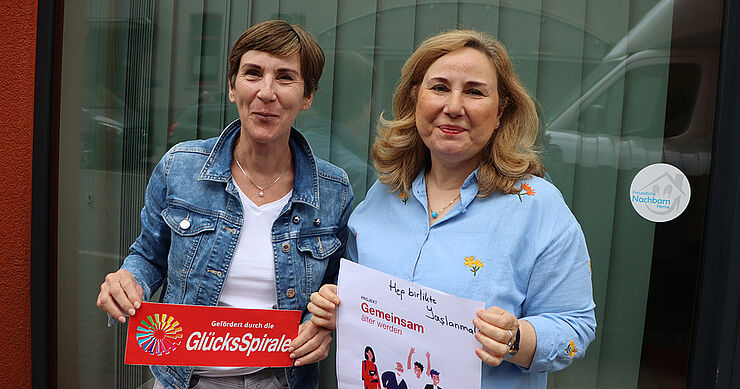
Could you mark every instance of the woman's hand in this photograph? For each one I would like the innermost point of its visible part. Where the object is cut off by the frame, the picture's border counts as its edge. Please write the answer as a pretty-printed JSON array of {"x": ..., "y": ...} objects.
[
  {"x": 310, "y": 345},
  {"x": 120, "y": 293},
  {"x": 323, "y": 305},
  {"x": 497, "y": 328}
]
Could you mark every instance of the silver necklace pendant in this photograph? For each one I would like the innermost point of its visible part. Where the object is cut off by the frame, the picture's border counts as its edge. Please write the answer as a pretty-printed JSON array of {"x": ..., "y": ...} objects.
[{"x": 261, "y": 188}]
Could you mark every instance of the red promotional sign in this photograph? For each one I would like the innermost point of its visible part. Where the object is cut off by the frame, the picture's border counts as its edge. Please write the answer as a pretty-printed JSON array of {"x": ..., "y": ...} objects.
[{"x": 190, "y": 335}]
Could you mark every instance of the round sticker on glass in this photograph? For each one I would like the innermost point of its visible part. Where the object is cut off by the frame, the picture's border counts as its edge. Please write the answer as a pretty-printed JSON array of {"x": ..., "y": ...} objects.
[{"x": 660, "y": 192}]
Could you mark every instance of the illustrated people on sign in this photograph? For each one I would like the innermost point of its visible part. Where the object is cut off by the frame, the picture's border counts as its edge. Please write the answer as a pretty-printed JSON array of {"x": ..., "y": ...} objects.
[
  {"x": 461, "y": 202},
  {"x": 435, "y": 380},
  {"x": 393, "y": 379},
  {"x": 413, "y": 374},
  {"x": 369, "y": 370},
  {"x": 418, "y": 368},
  {"x": 224, "y": 217}
]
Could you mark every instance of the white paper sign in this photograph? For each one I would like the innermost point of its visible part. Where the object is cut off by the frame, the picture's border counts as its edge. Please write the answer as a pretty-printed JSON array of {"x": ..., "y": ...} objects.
[{"x": 392, "y": 333}]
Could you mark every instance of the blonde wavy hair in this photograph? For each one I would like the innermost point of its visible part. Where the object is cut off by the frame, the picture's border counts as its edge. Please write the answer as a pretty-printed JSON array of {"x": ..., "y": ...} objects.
[{"x": 509, "y": 156}]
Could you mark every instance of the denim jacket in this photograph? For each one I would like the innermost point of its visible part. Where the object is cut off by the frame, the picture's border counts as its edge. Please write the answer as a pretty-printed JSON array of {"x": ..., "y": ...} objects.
[{"x": 190, "y": 260}]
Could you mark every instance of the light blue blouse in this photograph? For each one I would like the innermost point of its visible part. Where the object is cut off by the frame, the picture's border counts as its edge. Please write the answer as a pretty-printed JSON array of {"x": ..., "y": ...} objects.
[{"x": 523, "y": 252}]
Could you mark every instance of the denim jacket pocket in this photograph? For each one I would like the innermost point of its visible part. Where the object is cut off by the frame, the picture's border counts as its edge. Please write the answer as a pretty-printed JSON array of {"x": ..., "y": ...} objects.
[
  {"x": 192, "y": 233},
  {"x": 316, "y": 250},
  {"x": 319, "y": 246},
  {"x": 185, "y": 222}
]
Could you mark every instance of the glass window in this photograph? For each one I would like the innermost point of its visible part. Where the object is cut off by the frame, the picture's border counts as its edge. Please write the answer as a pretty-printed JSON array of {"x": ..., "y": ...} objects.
[{"x": 614, "y": 89}]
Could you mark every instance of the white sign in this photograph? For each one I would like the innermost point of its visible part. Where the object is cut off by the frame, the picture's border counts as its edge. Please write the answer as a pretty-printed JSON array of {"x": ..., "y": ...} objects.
[
  {"x": 393, "y": 334},
  {"x": 660, "y": 192}
]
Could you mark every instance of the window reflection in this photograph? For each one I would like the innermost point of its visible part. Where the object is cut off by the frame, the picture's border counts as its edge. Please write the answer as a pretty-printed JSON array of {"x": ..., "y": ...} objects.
[{"x": 613, "y": 93}]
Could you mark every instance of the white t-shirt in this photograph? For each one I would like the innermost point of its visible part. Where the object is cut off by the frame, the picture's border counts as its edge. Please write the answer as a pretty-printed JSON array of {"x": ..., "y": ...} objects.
[
  {"x": 411, "y": 381},
  {"x": 251, "y": 279}
]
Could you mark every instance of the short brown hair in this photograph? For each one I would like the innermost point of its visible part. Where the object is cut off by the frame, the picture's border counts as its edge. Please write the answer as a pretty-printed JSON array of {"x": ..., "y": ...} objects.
[
  {"x": 399, "y": 152},
  {"x": 279, "y": 37}
]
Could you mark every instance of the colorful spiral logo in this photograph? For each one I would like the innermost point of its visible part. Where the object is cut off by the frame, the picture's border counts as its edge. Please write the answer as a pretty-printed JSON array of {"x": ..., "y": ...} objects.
[{"x": 160, "y": 336}]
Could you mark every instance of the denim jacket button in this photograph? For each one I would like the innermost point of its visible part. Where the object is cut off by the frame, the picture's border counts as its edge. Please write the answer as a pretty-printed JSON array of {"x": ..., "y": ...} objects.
[
  {"x": 185, "y": 224},
  {"x": 285, "y": 247},
  {"x": 296, "y": 219},
  {"x": 317, "y": 221},
  {"x": 290, "y": 293}
]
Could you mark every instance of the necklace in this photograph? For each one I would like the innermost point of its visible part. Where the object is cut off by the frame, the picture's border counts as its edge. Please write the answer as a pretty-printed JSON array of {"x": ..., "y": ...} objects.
[
  {"x": 436, "y": 213},
  {"x": 261, "y": 188}
]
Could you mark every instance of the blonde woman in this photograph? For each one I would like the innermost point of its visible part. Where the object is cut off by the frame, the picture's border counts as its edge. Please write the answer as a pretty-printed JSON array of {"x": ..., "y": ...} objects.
[{"x": 460, "y": 206}]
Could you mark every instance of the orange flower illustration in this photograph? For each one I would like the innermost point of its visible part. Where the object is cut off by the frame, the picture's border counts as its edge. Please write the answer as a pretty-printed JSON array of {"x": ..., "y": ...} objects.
[
  {"x": 571, "y": 349},
  {"x": 403, "y": 197},
  {"x": 473, "y": 264},
  {"x": 525, "y": 189}
]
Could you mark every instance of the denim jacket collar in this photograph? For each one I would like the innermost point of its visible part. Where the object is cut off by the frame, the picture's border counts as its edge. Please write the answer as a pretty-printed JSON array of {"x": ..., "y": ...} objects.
[{"x": 306, "y": 177}]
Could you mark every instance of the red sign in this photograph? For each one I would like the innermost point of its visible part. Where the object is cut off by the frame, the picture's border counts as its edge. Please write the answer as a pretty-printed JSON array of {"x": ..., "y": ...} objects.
[{"x": 191, "y": 335}]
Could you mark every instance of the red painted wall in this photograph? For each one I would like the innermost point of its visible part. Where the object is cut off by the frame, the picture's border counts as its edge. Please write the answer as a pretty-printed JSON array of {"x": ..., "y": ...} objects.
[{"x": 17, "y": 65}]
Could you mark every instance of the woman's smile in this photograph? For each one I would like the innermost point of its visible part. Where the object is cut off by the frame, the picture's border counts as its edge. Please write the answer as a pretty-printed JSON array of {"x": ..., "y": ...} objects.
[
  {"x": 265, "y": 115},
  {"x": 450, "y": 129}
]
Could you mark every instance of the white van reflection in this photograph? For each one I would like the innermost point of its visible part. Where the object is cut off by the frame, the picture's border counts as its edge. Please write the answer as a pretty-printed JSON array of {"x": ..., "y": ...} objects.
[
  {"x": 592, "y": 131},
  {"x": 632, "y": 113}
]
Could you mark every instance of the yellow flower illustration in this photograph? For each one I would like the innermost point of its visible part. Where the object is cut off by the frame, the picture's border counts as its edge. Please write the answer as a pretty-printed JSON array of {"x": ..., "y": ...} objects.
[
  {"x": 403, "y": 197},
  {"x": 473, "y": 264},
  {"x": 571, "y": 349}
]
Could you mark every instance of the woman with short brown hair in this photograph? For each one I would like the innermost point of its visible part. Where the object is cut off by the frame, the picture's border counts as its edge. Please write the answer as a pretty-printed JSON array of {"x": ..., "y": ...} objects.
[{"x": 251, "y": 219}]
